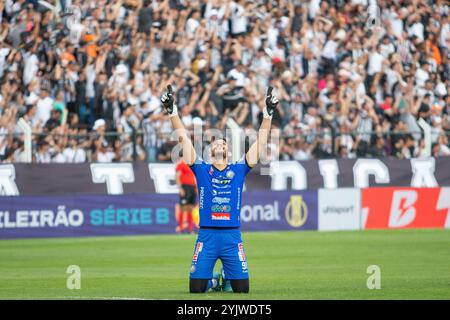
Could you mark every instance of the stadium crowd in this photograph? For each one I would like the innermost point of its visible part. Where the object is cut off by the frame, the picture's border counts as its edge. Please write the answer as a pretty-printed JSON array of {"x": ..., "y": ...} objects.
[{"x": 353, "y": 76}]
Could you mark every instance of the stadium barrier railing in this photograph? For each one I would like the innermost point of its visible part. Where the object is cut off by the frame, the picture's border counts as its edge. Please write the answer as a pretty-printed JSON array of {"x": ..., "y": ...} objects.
[{"x": 325, "y": 141}]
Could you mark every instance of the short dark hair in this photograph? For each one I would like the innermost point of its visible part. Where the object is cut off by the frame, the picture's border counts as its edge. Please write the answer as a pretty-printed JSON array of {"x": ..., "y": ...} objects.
[{"x": 221, "y": 138}]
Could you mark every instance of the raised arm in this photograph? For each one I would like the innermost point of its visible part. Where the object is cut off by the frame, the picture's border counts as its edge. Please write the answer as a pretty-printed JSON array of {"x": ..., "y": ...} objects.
[
  {"x": 256, "y": 148},
  {"x": 169, "y": 105}
]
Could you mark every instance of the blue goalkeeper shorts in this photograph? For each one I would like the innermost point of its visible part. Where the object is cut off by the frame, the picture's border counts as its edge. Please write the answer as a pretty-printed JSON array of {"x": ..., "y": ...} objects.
[{"x": 223, "y": 244}]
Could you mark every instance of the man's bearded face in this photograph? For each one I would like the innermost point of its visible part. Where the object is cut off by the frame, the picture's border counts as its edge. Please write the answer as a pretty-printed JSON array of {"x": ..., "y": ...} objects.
[{"x": 219, "y": 150}]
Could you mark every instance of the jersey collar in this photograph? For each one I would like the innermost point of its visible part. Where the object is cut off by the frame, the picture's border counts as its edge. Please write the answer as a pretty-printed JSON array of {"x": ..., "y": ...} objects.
[{"x": 219, "y": 169}]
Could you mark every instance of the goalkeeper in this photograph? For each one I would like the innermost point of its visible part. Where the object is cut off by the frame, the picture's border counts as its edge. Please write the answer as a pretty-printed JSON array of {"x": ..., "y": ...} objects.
[{"x": 220, "y": 185}]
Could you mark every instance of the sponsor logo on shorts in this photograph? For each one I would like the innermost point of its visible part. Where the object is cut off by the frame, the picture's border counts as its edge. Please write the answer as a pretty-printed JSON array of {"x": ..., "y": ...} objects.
[
  {"x": 221, "y": 208},
  {"x": 242, "y": 257},
  {"x": 220, "y": 216},
  {"x": 241, "y": 252},
  {"x": 221, "y": 200},
  {"x": 198, "y": 249}
]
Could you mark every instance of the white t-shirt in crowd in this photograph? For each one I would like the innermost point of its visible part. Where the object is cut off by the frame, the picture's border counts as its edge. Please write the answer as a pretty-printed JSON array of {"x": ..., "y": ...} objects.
[
  {"x": 261, "y": 65},
  {"x": 4, "y": 52},
  {"x": 301, "y": 155},
  {"x": 58, "y": 158},
  {"x": 279, "y": 53},
  {"x": 107, "y": 156},
  {"x": 391, "y": 77},
  {"x": 329, "y": 50},
  {"x": 187, "y": 120},
  {"x": 314, "y": 8},
  {"x": 3, "y": 137},
  {"x": 156, "y": 60},
  {"x": 387, "y": 49},
  {"x": 43, "y": 110},
  {"x": 90, "y": 79},
  {"x": 375, "y": 63},
  {"x": 416, "y": 30},
  {"x": 30, "y": 69},
  {"x": 239, "y": 76},
  {"x": 397, "y": 26},
  {"x": 444, "y": 35},
  {"x": 43, "y": 157},
  {"x": 191, "y": 26},
  {"x": 238, "y": 18},
  {"x": 76, "y": 30},
  {"x": 272, "y": 36},
  {"x": 74, "y": 155},
  {"x": 421, "y": 77}
]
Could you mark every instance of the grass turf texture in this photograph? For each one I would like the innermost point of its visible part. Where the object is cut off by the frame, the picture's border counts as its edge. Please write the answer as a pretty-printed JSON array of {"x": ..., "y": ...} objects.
[{"x": 415, "y": 264}]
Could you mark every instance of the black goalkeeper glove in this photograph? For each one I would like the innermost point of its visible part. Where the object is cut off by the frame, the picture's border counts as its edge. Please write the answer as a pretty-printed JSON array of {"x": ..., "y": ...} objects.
[
  {"x": 271, "y": 104},
  {"x": 168, "y": 102}
]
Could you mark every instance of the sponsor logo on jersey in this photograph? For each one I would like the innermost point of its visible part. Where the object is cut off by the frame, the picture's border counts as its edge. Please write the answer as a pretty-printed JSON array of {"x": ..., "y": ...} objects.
[
  {"x": 223, "y": 192},
  {"x": 223, "y": 181},
  {"x": 214, "y": 192},
  {"x": 226, "y": 186},
  {"x": 221, "y": 208},
  {"x": 211, "y": 170},
  {"x": 220, "y": 216},
  {"x": 238, "y": 202},
  {"x": 198, "y": 249},
  {"x": 221, "y": 200},
  {"x": 202, "y": 197}
]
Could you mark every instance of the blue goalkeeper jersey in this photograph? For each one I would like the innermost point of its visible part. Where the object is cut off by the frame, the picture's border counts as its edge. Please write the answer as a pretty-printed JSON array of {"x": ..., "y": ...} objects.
[{"x": 220, "y": 192}]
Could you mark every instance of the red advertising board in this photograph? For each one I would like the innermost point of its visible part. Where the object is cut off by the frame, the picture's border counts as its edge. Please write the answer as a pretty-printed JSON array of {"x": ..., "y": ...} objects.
[{"x": 393, "y": 208}]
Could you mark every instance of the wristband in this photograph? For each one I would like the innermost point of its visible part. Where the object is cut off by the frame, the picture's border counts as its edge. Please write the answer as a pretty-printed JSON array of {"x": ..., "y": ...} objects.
[
  {"x": 266, "y": 115},
  {"x": 174, "y": 111}
]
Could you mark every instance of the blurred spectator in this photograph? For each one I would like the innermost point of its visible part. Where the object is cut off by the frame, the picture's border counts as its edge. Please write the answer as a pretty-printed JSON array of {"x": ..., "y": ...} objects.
[{"x": 73, "y": 153}]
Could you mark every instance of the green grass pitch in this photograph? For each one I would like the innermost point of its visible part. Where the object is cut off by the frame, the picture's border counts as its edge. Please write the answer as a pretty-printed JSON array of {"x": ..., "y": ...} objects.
[{"x": 415, "y": 264}]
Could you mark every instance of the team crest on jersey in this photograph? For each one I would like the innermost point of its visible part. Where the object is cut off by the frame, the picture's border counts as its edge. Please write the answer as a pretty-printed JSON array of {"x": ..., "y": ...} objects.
[{"x": 230, "y": 174}]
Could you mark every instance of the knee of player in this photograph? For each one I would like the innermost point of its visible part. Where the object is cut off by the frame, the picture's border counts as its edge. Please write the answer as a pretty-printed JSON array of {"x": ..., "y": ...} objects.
[
  {"x": 240, "y": 286},
  {"x": 198, "y": 285}
]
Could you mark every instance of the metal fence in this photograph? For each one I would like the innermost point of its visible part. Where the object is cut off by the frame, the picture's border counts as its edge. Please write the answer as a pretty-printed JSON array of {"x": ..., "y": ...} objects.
[{"x": 326, "y": 142}]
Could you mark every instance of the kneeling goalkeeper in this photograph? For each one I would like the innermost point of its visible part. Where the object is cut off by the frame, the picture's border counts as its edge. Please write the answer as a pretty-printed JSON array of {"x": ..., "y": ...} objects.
[{"x": 220, "y": 186}]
